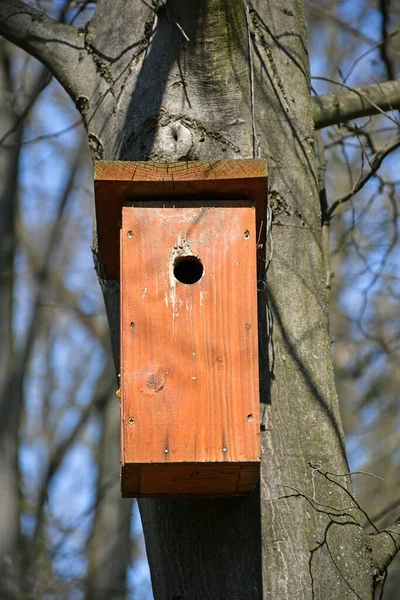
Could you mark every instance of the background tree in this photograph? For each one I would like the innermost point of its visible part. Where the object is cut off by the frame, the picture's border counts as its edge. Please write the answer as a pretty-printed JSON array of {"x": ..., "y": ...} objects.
[
  {"x": 192, "y": 81},
  {"x": 57, "y": 379}
]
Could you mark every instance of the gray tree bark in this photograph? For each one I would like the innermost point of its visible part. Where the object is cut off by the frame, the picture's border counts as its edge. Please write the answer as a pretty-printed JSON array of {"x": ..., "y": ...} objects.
[
  {"x": 110, "y": 548},
  {"x": 222, "y": 80},
  {"x": 349, "y": 103},
  {"x": 10, "y": 390}
]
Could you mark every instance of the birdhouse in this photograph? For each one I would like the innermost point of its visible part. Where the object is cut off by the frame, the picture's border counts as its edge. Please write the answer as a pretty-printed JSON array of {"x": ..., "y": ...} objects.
[{"x": 183, "y": 239}]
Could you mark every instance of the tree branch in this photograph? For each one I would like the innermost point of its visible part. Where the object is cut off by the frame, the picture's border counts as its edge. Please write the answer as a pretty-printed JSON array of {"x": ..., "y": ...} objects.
[
  {"x": 374, "y": 164},
  {"x": 386, "y": 545},
  {"x": 59, "y": 47},
  {"x": 363, "y": 101},
  {"x": 385, "y": 510},
  {"x": 384, "y": 49},
  {"x": 100, "y": 398}
]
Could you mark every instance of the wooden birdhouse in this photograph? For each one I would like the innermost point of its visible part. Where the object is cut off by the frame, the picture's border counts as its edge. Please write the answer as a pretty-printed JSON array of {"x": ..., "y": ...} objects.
[{"x": 183, "y": 240}]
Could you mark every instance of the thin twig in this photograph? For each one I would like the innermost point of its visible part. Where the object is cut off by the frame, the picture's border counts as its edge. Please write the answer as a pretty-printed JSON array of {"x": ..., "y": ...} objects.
[
  {"x": 354, "y": 473},
  {"x": 375, "y": 47},
  {"x": 375, "y": 164}
]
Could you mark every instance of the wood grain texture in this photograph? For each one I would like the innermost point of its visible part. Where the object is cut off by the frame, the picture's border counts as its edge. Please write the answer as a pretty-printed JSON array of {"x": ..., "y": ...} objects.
[
  {"x": 119, "y": 170},
  {"x": 185, "y": 480},
  {"x": 189, "y": 353},
  {"x": 117, "y": 182}
]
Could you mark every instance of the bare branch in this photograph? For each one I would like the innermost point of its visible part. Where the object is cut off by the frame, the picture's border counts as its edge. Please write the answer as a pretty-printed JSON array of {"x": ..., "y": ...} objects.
[
  {"x": 379, "y": 45},
  {"x": 20, "y": 365},
  {"x": 386, "y": 544},
  {"x": 363, "y": 101},
  {"x": 54, "y": 44},
  {"x": 327, "y": 13},
  {"x": 101, "y": 397},
  {"x": 386, "y": 510},
  {"x": 43, "y": 81},
  {"x": 375, "y": 163},
  {"x": 384, "y": 49}
]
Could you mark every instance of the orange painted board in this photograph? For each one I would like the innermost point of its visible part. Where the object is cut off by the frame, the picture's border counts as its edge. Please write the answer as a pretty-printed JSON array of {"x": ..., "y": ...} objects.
[
  {"x": 117, "y": 182},
  {"x": 189, "y": 352},
  {"x": 189, "y": 479}
]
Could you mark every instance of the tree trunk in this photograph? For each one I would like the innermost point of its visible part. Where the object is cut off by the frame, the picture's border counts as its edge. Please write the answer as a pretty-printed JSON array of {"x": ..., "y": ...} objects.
[
  {"x": 223, "y": 80},
  {"x": 201, "y": 99},
  {"x": 10, "y": 388},
  {"x": 110, "y": 547}
]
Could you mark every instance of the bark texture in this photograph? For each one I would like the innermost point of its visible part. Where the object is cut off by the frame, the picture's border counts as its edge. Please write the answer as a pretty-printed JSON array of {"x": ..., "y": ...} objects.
[
  {"x": 216, "y": 79},
  {"x": 363, "y": 101},
  {"x": 10, "y": 388}
]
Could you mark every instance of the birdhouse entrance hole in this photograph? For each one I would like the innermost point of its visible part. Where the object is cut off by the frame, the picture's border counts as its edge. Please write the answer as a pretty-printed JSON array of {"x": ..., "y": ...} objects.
[
  {"x": 184, "y": 241},
  {"x": 188, "y": 269}
]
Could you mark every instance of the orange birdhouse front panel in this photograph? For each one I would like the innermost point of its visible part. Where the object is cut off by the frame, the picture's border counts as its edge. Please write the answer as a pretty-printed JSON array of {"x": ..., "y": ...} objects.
[{"x": 189, "y": 348}]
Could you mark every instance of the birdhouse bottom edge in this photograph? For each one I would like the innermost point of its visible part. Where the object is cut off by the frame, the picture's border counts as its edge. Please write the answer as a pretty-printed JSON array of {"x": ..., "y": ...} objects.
[{"x": 207, "y": 479}]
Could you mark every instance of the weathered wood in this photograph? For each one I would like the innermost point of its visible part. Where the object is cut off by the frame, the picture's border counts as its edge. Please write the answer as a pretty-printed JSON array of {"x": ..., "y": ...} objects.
[
  {"x": 189, "y": 351},
  {"x": 188, "y": 480},
  {"x": 119, "y": 181},
  {"x": 119, "y": 170}
]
